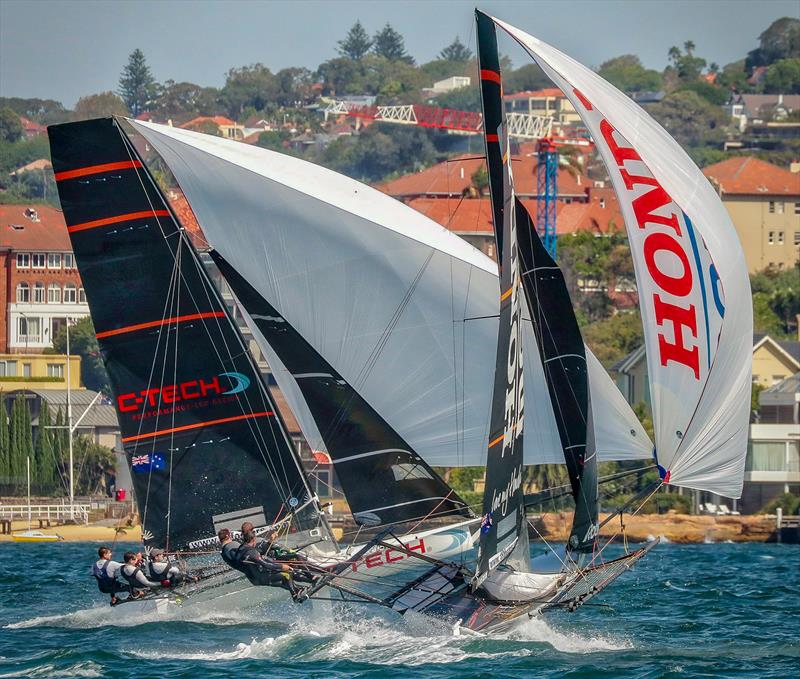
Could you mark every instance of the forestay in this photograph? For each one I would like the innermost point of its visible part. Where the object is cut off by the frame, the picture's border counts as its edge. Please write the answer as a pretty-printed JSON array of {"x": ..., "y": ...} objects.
[
  {"x": 688, "y": 262},
  {"x": 385, "y": 295}
]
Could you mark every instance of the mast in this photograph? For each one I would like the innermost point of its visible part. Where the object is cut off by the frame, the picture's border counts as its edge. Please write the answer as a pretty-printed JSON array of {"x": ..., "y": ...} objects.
[
  {"x": 69, "y": 434},
  {"x": 503, "y": 527},
  {"x": 207, "y": 447},
  {"x": 561, "y": 348}
]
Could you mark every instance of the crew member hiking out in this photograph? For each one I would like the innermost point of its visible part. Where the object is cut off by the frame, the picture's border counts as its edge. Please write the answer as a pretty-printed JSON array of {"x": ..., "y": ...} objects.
[
  {"x": 267, "y": 545},
  {"x": 106, "y": 572},
  {"x": 168, "y": 574},
  {"x": 138, "y": 584},
  {"x": 228, "y": 549},
  {"x": 262, "y": 571}
]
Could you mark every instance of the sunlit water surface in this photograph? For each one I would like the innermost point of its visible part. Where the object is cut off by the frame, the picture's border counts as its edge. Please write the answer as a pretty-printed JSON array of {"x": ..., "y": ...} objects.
[{"x": 701, "y": 610}]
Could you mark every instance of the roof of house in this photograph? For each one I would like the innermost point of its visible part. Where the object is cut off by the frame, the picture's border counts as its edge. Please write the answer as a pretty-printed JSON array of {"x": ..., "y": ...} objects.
[
  {"x": 39, "y": 164},
  {"x": 217, "y": 120},
  {"x": 535, "y": 94},
  {"x": 32, "y": 127},
  {"x": 32, "y": 228},
  {"x": 452, "y": 177},
  {"x": 626, "y": 363},
  {"x": 101, "y": 414},
  {"x": 754, "y": 103},
  {"x": 783, "y": 393},
  {"x": 745, "y": 175}
]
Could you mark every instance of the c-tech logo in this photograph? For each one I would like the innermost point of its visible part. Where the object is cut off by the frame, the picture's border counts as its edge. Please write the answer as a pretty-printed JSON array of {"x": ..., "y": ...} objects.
[{"x": 190, "y": 390}]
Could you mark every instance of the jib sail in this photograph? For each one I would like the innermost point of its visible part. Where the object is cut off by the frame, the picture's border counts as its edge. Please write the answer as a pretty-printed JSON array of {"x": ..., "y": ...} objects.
[
  {"x": 558, "y": 337},
  {"x": 383, "y": 478},
  {"x": 206, "y": 445}
]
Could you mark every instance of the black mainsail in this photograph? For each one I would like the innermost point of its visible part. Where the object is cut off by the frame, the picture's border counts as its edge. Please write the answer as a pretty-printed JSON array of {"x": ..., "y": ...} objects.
[
  {"x": 383, "y": 479},
  {"x": 556, "y": 329},
  {"x": 206, "y": 445}
]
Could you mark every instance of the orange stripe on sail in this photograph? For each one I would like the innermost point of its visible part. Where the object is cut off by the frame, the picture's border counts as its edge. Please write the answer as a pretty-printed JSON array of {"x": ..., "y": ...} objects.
[
  {"x": 198, "y": 425},
  {"x": 129, "y": 217},
  {"x": 493, "y": 443},
  {"x": 97, "y": 169},
  {"x": 156, "y": 324},
  {"x": 506, "y": 293}
]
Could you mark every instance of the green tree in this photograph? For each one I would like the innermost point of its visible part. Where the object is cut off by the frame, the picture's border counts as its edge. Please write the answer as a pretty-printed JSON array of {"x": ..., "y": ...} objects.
[
  {"x": 783, "y": 77},
  {"x": 185, "y": 100},
  {"x": 776, "y": 301},
  {"x": 356, "y": 43},
  {"x": 253, "y": 85},
  {"x": 525, "y": 78},
  {"x": 614, "y": 338},
  {"x": 711, "y": 93},
  {"x": 137, "y": 87},
  {"x": 10, "y": 125},
  {"x": 294, "y": 86},
  {"x": 734, "y": 77},
  {"x": 5, "y": 450},
  {"x": 780, "y": 41},
  {"x": 91, "y": 463},
  {"x": 690, "y": 119},
  {"x": 462, "y": 99},
  {"x": 389, "y": 44},
  {"x": 627, "y": 73},
  {"x": 43, "y": 111},
  {"x": 21, "y": 444},
  {"x": 456, "y": 51},
  {"x": 43, "y": 452},
  {"x": 83, "y": 342},
  {"x": 685, "y": 65},
  {"x": 100, "y": 106}
]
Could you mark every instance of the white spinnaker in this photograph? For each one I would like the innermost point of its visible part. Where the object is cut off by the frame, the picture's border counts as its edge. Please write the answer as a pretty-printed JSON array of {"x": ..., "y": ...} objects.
[
  {"x": 685, "y": 252},
  {"x": 402, "y": 308}
]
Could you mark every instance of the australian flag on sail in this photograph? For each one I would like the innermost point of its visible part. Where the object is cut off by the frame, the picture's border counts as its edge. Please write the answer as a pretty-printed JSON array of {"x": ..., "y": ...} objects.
[
  {"x": 155, "y": 462},
  {"x": 486, "y": 523}
]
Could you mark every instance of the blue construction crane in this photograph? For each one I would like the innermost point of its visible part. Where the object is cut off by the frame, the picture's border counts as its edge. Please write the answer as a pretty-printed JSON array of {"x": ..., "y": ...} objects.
[{"x": 547, "y": 194}]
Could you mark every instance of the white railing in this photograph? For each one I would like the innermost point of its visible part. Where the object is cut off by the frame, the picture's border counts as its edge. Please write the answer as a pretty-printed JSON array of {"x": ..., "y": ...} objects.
[{"x": 49, "y": 512}]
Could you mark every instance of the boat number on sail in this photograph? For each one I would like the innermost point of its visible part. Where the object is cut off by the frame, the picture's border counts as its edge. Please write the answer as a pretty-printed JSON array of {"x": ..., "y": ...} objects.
[{"x": 195, "y": 393}]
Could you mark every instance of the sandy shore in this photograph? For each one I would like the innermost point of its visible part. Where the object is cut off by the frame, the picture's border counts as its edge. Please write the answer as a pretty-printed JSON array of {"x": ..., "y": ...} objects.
[
  {"x": 82, "y": 533},
  {"x": 680, "y": 528}
]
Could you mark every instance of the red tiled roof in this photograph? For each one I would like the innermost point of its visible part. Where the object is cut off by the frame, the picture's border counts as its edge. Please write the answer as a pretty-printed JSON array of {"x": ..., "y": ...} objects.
[
  {"x": 453, "y": 176},
  {"x": 186, "y": 217},
  {"x": 745, "y": 175},
  {"x": 218, "y": 120},
  {"x": 44, "y": 230},
  {"x": 535, "y": 94},
  {"x": 472, "y": 216},
  {"x": 31, "y": 127}
]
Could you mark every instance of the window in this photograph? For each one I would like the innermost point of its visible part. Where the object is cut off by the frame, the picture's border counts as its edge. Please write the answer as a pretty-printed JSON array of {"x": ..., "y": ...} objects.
[
  {"x": 81, "y": 296},
  {"x": 779, "y": 208},
  {"x": 70, "y": 294},
  {"x": 409, "y": 470},
  {"x": 780, "y": 237},
  {"x": 38, "y": 260},
  {"x": 23, "y": 293},
  {"x": 69, "y": 261},
  {"x": 29, "y": 330},
  {"x": 26, "y": 368},
  {"x": 55, "y": 370},
  {"x": 54, "y": 260},
  {"x": 23, "y": 260},
  {"x": 771, "y": 238},
  {"x": 54, "y": 293},
  {"x": 797, "y": 237},
  {"x": 38, "y": 293},
  {"x": 797, "y": 208},
  {"x": 8, "y": 368}
]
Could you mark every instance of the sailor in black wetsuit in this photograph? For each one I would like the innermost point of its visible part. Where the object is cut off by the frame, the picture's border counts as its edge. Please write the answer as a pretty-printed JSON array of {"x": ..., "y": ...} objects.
[
  {"x": 267, "y": 546},
  {"x": 261, "y": 570},
  {"x": 105, "y": 572},
  {"x": 228, "y": 549},
  {"x": 161, "y": 570}
]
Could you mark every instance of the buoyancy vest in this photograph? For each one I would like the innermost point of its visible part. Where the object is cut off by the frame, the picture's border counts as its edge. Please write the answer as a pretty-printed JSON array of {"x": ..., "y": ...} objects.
[
  {"x": 105, "y": 583},
  {"x": 132, "y": 582},
  {"x": 229, "y": 555}
]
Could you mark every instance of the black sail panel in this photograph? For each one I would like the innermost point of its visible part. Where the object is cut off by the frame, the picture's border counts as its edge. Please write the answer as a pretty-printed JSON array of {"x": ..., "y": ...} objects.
[
  {"x": 206, "y": 445},
  {"x": 563, "y": 357},
  {"x": 384, "y": 480}
]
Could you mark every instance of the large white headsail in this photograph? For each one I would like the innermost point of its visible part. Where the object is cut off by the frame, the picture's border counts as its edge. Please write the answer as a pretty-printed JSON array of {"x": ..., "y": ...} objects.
[
  {"x": 402, "y": 308},
  {"x": 688, "y": 262}
]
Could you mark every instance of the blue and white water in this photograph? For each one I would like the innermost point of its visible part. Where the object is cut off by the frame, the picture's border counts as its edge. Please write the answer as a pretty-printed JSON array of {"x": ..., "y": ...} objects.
[{"x": 700, "y": 610}]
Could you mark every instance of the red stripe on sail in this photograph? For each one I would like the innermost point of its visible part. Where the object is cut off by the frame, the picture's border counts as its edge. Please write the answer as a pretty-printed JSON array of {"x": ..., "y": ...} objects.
[
  {"x": 129, "y": 217},
  {"x": 97, "y": 169},
  {"x": 156, "y": 324},
  {"x": 197, "y": 425},
  {"x": 492, "y": 137},
  {"x": 494, "y": 76}
]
